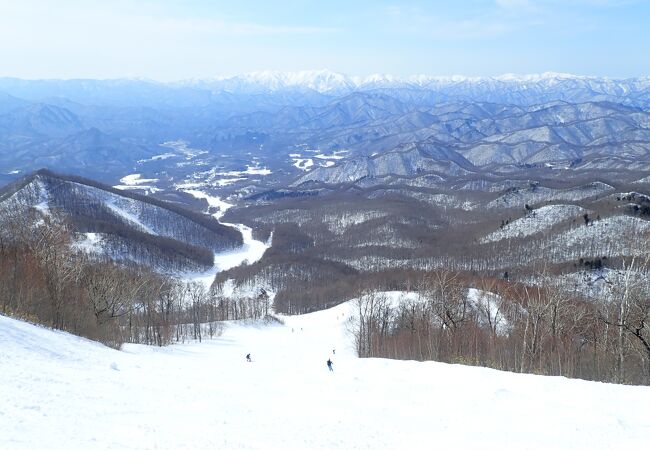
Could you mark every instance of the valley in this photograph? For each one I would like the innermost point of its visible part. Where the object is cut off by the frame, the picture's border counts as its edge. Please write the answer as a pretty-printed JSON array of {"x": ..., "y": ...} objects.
[
  {"x": 211, "y": 219},
  {"x": 250, "y": 251},
  {"x": 324, "y": 225}
]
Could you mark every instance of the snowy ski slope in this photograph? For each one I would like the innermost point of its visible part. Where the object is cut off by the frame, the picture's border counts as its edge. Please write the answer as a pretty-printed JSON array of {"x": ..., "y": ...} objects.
[{"x": 58, "y": 391}]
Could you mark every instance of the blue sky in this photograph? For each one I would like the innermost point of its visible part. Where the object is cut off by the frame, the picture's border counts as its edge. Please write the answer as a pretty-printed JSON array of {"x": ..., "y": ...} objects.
[{"x": 174, "y": 39}]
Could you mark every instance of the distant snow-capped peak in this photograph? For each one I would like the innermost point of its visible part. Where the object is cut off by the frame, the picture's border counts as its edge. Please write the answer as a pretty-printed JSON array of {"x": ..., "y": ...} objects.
[
  {"x": 318, "y": 80},
  {"x": 327, "y": 81}
]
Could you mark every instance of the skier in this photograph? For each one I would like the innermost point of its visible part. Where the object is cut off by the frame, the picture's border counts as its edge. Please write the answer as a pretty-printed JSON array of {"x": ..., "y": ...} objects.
[
  {"x": 248, "y": 357},
  {"x": 333, "y": 351},
  {"x": 329, "y": 365}
]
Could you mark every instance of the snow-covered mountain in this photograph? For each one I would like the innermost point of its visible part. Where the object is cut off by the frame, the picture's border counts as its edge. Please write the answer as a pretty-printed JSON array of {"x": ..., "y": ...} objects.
[
  {"x": 104, "y": 128},
  {"x": 318, "y": 80},
  {"x": 520, "y": 89},
  {"x": 120, "y": 225}
]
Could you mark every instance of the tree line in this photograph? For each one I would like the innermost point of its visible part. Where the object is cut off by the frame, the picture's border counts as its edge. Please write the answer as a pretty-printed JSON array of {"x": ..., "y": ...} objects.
[
  {"x": 43, "y": 279},
  {"x": 545, "y": 329}
]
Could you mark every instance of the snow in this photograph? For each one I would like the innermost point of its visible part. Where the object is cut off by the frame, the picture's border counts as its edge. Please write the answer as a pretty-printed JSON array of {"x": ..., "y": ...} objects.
[
  {"x": 135, "y": 182},
  {"x": 43, "y": 205},
  {"x": 90, "y": 243},
  {"x": 536, "y": 194},
  {"x": 318, "y": 80},
  {"x": 324, "y": 160},
  {"x": 183, "y": 148},
  {"x": 216, "y": 177},
  {"x": 597, "y": 284},
  {"x": 334, "y": 156},
  {"x": 303, "y": 163},
  {"x": 250, "y": 170},
  {"x": 228, "y": 181},
  {"x": 33, "y": 195},
  {"x": 251, "y": 251},
  {"x": 213, "y": 202},
  {"x": 536, "y": 221},
  {"x": 136, "y": 179},
  {"x": 147, "y": 189},
  {"x": 58, "y": 391},
  {"x": 339, "y": 223},
  {"x": 246, "y": 290},
  {"x": 128, "y": 216},
  {"x": 160, "y": 157},
  {"x": 489, "y": 309},
  {"x": 614, "y": 228},
  {"x": 326, "y": 81}
]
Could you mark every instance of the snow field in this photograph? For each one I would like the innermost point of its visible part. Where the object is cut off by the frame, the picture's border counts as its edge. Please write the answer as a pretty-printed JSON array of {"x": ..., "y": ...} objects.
[
  {"x": 135, "y": 181},
  {"x": 58, "y": 391}
]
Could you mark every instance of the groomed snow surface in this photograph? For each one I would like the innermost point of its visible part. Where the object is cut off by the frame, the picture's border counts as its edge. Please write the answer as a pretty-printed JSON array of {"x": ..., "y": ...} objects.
[{"x": 58, "y": 391}]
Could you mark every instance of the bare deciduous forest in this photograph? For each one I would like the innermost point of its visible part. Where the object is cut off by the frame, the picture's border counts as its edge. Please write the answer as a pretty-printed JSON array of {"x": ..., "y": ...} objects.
[
  {"x": 497, "y": 287},
  {"x": 509, "y": 326}
]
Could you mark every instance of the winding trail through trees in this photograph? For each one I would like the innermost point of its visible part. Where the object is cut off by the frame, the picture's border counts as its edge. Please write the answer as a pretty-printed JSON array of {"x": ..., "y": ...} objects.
[{"x": 250, "y": 252}]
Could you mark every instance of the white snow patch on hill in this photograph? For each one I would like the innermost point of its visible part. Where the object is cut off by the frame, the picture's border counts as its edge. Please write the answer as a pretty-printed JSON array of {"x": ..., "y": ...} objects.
[
  {"x": 597, "y": 284},
  {"x": 130, "y": 217},
  {"x": 228, "y": 181},
  {"x": 303, "y": 163},
  {"x": 160, "y": 157},
  {"x": 136, "y": 182},
  {"x": 58, "y": 391},
  {"x": 607, "y": 229},
  {"x": 489, "y": 309},
  {"x": 250, "y": 170},
  {"x": 136, "y": 178},
  {"x": 444, "y": 200},
  {"x": 339, "y": 223},
  {"x": 92, "y": 243},
  {"x": 612, "y": 236},
  {"x": 249, "y": 289},
  {"x": 34, "y": 194},
  {"x": 333, "y": 156},
  {"x": 536, "y": 221},
  {"x": 217, "y": 177},
  {"x": 182, "y": 147}
]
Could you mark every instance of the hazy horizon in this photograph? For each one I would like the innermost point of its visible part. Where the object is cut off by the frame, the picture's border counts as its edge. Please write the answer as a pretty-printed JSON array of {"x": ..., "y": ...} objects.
[{"x": 359, "y": 78}]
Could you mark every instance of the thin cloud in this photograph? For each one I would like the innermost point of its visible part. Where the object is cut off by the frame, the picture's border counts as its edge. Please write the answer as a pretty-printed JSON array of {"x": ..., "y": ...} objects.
[
  {"x": 130, "y": 17},
  {"x": 517, "y": 4},
  {"x": 474, "y": 25}
]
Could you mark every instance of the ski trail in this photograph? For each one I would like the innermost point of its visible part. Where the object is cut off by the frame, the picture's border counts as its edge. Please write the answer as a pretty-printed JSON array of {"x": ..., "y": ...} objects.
[{"x": 251, "y": 250}]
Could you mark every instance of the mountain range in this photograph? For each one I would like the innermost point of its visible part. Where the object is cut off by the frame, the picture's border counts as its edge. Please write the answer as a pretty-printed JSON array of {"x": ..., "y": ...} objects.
[
  {"x": 359, "y": 127},
  {"x": 119, "y": 225},
  {"x": 534, "y": 88}
]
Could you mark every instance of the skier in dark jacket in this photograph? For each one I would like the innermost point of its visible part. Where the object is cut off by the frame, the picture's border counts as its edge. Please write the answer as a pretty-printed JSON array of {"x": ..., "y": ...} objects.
[
  {"x": 329, "y": 365},
  {"x": 248, "y": 357}
]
